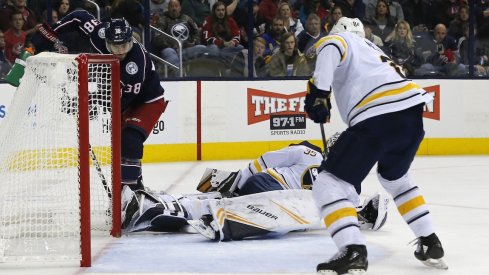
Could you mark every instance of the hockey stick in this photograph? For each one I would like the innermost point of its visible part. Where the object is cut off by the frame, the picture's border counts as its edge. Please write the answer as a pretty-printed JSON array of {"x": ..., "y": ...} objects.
[
  {"x": 99, "y": 172},
  {"x": 325, "y": 142}
]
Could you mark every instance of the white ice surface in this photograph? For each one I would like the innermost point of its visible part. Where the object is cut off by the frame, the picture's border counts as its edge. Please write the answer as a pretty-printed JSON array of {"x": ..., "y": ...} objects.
[{"x": 455, "y": 188}]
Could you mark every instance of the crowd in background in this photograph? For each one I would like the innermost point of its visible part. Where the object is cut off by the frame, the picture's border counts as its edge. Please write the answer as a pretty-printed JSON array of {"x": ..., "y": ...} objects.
[{"x": 425, "y": 37}]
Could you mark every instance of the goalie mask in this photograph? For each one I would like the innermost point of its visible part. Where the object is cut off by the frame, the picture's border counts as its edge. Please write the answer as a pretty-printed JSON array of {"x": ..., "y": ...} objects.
[
  {"x": 118, "y": 36},
  {"x": 345, "y": 24}
]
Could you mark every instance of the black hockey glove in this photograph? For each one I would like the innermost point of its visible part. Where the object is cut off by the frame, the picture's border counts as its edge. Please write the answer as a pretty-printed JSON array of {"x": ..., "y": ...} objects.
[{"x": 317, "y": 103}]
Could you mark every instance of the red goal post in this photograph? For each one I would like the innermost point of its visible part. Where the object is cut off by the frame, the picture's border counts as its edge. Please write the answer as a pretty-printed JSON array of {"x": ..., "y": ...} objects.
[
  {"x": 60, "y": 159},
  {"x": 84, "y": 73}
]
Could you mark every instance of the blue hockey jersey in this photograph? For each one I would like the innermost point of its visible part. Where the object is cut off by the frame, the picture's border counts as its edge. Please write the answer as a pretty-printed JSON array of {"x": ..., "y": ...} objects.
[{"x": 139, "y": 81}]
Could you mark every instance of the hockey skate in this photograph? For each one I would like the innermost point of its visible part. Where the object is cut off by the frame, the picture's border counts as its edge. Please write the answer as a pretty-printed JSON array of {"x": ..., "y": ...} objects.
[
  {"x": 207, "y": 227},
  {"x": 373, "y": 214},
  {"x": 350, "y": 260},
  {"x": 430, "y": 252}
]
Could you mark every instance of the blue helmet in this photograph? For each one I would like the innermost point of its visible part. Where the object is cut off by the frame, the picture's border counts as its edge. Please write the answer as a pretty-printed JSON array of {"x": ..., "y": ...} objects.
[{"x": 118, "y": 31}]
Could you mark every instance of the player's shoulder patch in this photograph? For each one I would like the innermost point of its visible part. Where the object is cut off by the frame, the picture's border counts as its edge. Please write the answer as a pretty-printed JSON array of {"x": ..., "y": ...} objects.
[
  {"x": 101, "y": 33},
  {"x": 132, "y": 68}
]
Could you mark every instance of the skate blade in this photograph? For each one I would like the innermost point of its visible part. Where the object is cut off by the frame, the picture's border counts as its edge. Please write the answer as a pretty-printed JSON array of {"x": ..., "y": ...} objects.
[
  {"x": 202, "y": 229},
  {"x": 438, "y": 263},
  {"x": 351, "y": 272}
]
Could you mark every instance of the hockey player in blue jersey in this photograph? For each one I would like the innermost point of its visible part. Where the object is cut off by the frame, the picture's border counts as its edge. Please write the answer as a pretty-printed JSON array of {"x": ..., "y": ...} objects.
[
  {"x": 383, "y": 111},
  {"x": 142, "y": 100}
]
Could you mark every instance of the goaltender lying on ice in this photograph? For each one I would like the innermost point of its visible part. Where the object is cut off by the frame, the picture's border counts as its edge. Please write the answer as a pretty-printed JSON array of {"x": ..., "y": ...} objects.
[{"x": 270, "y": 196}]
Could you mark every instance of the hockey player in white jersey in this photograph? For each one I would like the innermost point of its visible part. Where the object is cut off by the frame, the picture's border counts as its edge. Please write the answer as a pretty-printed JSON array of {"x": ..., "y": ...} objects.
[
  {"x": 383, "y": 111},
  {"x": 274, "y": 197}
]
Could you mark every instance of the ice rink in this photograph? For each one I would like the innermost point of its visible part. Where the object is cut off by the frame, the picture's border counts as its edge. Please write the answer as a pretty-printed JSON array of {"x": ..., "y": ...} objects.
[{"x": 455, "y": 188}]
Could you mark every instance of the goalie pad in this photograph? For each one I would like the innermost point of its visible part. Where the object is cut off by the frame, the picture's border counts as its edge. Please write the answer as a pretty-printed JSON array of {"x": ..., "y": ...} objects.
[
  {"x": 224, "y": 182},
  {"x": 147, "y": 211},
  {"x": 274, "y": 212}
]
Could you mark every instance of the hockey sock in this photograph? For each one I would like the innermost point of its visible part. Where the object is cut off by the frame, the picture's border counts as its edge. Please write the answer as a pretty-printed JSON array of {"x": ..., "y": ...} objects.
[
  {"x": 410, "y": 204},
  {"x": 334, "y": 198}
]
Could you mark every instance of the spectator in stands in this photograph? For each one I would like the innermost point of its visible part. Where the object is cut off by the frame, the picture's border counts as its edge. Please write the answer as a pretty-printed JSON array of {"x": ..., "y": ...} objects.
[
  {"x": 382, "y": 24},
  {"x": 197, "y": 9},
  {"x": 400, "y": 47},
  {"x": 273, "y": 37},
  {"x": 372, "y": 37},
  {"x": 241, "y": 18},
  {"x": 455, "y": 29},
  {"x": 182, "y": 27},
  {"x": 221, "y": 33},
  {"x": 269, "y": 9},
  {"x": 30, "y": 18},
  {"x": 239, "y": 64},
  {"x": 318, "y": 7},
  {"x": 395, "y": 10},
  {"x": 63, "y": 7},
  {"x": 231, "y": 7},
  {"x": 14, "y": 37},
  {"x": 480, "y": 58},
  {"x": 131, "y": 10},
  {"x": 332, "y": 18},
  {"x": 442, "y": 58},
  {"x": 351, "y": 8},
  {"x": 482, "y": 11},
  {"x": 444, "y": 11},
  {"x": 288, "y": 61},
  {"x": 310, "y": 35},
  {"x": 291, "y": 24},
  {"x": 5, "y": 65},
  {"x": 54, "y": 16},
  {"x": 157, "y": 8}
]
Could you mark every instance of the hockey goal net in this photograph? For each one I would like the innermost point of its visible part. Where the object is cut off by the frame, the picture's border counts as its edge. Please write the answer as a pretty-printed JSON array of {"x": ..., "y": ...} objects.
[{"x": 60, "y": 159}]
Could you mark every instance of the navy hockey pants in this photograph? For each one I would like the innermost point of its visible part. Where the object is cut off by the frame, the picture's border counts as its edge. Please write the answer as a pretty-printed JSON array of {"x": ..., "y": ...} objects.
[{"x": 391, "y": 140}]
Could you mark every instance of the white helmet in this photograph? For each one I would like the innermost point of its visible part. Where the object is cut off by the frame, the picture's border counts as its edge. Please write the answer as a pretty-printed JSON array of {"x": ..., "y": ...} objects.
[{"x": 345, "y": 24}]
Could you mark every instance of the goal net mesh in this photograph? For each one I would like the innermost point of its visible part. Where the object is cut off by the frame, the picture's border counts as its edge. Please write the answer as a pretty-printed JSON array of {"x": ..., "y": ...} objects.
[{"x": 39, "y": 175}]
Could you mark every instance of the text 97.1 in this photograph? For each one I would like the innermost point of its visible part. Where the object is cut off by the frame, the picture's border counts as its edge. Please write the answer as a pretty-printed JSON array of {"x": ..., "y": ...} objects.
[{"x": 278, "y": 122}]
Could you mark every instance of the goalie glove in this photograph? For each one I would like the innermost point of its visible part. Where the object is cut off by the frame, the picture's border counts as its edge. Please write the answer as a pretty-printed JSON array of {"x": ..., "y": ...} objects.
[
  {"x": 50, "y": 35},
  {"x": 317, "y": 103},
  {"x": 224, "y": 182}
]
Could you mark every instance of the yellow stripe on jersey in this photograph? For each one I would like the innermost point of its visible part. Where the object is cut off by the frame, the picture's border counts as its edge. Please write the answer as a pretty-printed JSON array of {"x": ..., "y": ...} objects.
[
  {"x": 411, "y": 204},
  {"x": 278, "y": 177},
  {"x": 391, "y": 92},
  {"x": 340, "y": 214},
  {"x": 257, "y": 165},
  {"x": 333, "y": 38}
]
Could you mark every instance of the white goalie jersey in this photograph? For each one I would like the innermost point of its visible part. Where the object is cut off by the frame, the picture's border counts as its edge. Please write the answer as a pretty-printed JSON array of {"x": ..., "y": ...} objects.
[
  {"x": 380, "y": 85},
  {"x": 294, "y": 167}
]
